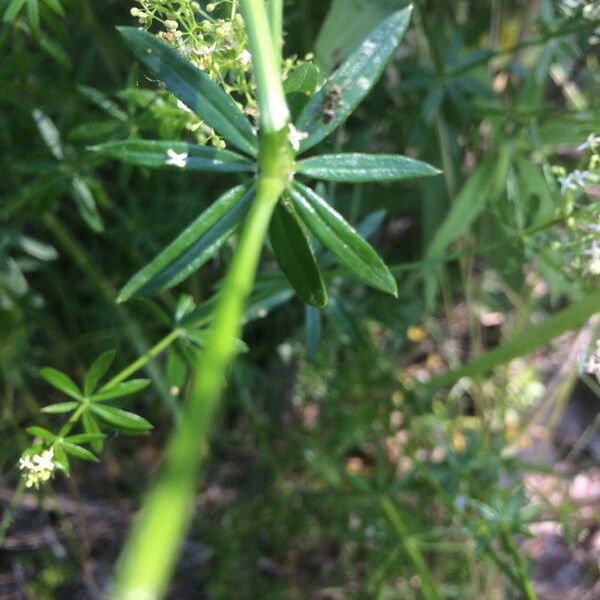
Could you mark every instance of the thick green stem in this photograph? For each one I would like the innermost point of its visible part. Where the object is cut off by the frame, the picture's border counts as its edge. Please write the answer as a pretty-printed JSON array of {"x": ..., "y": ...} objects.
[
  {"x": 150, "y": 553},
  {"x": 274, "y": 113},
  {"x": 147, "y": 561}
]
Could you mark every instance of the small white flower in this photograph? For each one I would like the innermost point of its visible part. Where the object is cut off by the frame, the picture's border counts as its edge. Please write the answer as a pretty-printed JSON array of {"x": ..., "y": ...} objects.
[
  {"x": 573, "y": 181},
  {"x": 566, "y": 183},
  {"x": 295, "y": 137},
  {"x": 175, "y": 159},
  {"x": 592, "y": 142},
  {"x": 244, "y": 58}
]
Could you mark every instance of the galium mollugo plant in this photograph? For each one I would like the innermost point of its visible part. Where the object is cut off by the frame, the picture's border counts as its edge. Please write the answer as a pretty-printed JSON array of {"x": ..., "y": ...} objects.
[{"x": 273, "y": 199}]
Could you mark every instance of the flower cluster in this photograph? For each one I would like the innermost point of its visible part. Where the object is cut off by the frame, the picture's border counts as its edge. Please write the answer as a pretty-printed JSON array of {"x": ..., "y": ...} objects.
[
  {"x": 579, "y": 189},
  {"x": 588, "y": 9},
  {"x": 37, "y": 468},
  {"x": 215, "y": 41}
]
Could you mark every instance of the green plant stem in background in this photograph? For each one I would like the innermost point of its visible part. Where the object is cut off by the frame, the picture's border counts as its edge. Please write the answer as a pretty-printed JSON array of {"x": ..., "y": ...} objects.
[
  {"x": 411, "y": 548},
  {"x": 151, "y": 550},
  {"x": 522, "y": 572}
]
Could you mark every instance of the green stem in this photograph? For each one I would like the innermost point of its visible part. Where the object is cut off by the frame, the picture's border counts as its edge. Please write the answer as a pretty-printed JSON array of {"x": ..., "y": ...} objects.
[
  {"x": 144, "y": 571},
  {"x": 143, "y": 360},
  {"x": 274, "y": 113},
  {"x": 275, "y": 13},
  {"x": 522, "y": 573},
  {"x": 147, "y": 561},
  {"x": 412, "y": 549}
]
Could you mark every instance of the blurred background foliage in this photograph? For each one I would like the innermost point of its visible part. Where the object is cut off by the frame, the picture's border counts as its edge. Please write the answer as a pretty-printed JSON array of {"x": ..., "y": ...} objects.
[{"x": 333, "y": 474}]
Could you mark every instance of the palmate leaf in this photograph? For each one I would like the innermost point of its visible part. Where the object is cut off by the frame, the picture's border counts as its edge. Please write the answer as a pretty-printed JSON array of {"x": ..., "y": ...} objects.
[
  {"x": 193, "y": 247},
  {"x": 160, "y": 154},
  {"x": 295, "y": 256},
  {"x": 354, "y": 79},
  {"x": 194, "y": 88},
  {"x": 362, "y": 168},
  {"x": 332, "y": 230}
]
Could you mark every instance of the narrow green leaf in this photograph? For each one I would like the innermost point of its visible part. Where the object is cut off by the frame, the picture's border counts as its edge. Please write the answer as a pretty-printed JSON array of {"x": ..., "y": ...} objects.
[
  {"x": 353, "y": 80},
  {"x": 60, "y": 407},
  {"x": 12, "y": 10},
  {"x": 122, "y": 389},
  {"x": 357, "y": 168},
  {"x": 49, "y": 133},
  {"x": 40, "y": 432},
  {"x": 83, "y": 438},
  {"x": 295, "y": 256},
  {"x": 468, "y": 204},
  {"x": 526, "y": 341},
  {"x": 84, "y": 199},
  {"x": 91, "y": 427},
  {"x": 99, "y": 368},
  {"x": 312, "y": 330},
  {"x": 55, "y": 51},
  {"x": 61, "y": 382},
  {"x": 104, "y": 102},
  {"x": 194, "y": 88},
  {"x": 33, "y": 16},
  {"x": 344, "y": 242},
  {"x": 56, "y": 6},
  {"x": 179, "y": 155},
  {"x": 60, "y": 457},
  {"x": 193, "y": 247},
  {"x": 121, "y": 419},
  {"x": 346, "y": 24},
  {"x": 78, "y": 451}
]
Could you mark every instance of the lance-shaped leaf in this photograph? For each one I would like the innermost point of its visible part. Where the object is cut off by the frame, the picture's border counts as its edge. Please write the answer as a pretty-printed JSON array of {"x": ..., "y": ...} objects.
[
  {"x": 360, "y": 168},
  {"x": 158, "y": 154},
  {"x": 352, "y": 81},
  {"x": 61, "y": 382},
  {"x": 122, "y": 389},
  {"x": 194, "y": 88},
  {"x": 121, "y": 419},
  {"x": 193, "y": 247},
  {"x": 295, "y": 256},
  {"x": 98, "y": 369},
  {"x": 78, "y": 451},
  {"x": 344, "y": 242}
]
